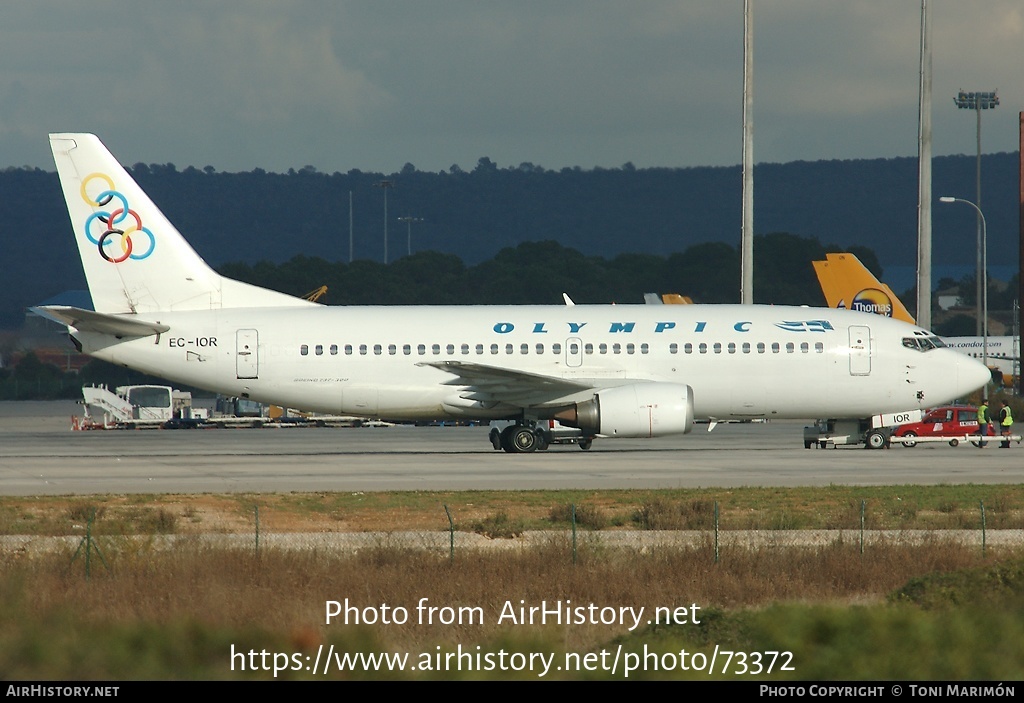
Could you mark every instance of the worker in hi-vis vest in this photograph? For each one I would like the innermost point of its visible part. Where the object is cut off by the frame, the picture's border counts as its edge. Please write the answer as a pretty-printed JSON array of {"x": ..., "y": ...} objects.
[
  {"x": 984, "y": 422},
  {"x": 1005, "y": 423}
]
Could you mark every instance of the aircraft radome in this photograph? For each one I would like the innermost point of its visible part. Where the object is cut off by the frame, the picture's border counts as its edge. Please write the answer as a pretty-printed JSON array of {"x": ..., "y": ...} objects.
[{"x": 610, "y": 370}]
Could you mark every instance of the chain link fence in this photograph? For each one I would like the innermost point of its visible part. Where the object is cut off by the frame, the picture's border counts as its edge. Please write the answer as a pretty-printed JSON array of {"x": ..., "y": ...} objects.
[{"x": 657, "y": 525}]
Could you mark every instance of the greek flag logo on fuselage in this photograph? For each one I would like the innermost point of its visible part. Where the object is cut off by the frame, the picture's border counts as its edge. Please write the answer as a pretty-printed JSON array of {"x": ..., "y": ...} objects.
[{"x": 805, "y": 325}]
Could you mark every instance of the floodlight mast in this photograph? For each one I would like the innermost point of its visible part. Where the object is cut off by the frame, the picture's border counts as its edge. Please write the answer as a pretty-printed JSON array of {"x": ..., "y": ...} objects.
[
  {"x": 977, "y": 101},
  {"x": 385, "y": 185}
]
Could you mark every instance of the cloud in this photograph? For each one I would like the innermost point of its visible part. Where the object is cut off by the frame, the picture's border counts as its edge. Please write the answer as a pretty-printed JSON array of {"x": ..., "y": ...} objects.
[{"x": 374, "y": 85}]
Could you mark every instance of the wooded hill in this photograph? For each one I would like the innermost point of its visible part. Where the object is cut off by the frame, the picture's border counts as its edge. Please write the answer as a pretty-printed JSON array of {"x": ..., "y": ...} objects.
[{"x": 682, "y": 225}]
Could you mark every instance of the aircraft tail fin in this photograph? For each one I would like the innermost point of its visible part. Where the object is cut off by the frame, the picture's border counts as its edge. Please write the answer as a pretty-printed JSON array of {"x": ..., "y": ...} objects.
[
  {"x": 135, "y": 261},
  {"x": 847, "y": 283}
]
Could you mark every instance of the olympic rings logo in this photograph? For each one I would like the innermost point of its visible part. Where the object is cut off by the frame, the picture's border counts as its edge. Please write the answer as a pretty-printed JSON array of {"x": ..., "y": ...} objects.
[{"x": 122, "y": 222}]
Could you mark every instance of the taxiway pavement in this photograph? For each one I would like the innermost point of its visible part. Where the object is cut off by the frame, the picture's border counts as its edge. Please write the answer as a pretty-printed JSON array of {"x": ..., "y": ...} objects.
[{"x": 40, "y": 455}]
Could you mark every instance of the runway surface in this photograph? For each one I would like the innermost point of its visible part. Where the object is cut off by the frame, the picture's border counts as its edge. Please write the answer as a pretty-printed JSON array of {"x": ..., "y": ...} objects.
[{"x": 40, "y": 455}]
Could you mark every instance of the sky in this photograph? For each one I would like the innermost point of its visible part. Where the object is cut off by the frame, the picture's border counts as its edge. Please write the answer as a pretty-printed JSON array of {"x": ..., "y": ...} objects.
[{"x": 374, "y": 85}]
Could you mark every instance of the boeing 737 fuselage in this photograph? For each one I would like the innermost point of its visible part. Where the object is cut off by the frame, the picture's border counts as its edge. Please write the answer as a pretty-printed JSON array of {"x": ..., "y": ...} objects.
[{"x": 616, "y": 371}]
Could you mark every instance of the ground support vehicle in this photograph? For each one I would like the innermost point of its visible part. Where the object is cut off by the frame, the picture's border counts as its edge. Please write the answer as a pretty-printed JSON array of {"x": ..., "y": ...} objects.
[
  {"x": 954, "y": 424},
  {"x": 874, "y": 432}
]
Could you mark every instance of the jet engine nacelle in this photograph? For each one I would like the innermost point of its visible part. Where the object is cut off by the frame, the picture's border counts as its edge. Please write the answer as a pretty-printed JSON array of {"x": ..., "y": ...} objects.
[{"x": 637, "y": 410}]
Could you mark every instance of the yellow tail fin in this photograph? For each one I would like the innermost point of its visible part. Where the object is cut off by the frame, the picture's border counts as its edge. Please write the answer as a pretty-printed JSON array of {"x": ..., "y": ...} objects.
[{"x": 847, "y": 283}]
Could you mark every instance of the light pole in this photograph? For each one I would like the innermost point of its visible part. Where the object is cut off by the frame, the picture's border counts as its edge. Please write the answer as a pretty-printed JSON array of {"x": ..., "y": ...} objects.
[
  {"x": 747, "y": 192},
  {"x": 982, "y": 301},
  {"x": 408, "y": 221},
  {"x": 385, "y": 185},
  {"x": 977, "y": 101}
]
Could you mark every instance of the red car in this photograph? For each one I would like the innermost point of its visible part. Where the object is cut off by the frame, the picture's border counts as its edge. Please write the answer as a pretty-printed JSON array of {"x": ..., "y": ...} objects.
[{"x": 953, "y": 421}]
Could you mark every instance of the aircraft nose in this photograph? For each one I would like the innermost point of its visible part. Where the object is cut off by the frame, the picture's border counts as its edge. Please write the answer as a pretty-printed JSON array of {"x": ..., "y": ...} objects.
[{"x": 972, "y": 375}]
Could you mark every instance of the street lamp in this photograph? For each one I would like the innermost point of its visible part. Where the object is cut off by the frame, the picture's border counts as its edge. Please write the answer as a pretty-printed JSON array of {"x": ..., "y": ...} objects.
[
  {"x": 385, "y": 185},
  {"x": 982, "y": 302},
  {"x": 977, "y": 101},
  {"x": 408, "y": 221}
]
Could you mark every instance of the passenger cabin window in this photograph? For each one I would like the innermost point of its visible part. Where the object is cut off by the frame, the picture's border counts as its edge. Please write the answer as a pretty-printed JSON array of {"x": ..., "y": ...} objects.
[
  {"x": 334, "y": 350},
  {"x": 304, "y": 350}
]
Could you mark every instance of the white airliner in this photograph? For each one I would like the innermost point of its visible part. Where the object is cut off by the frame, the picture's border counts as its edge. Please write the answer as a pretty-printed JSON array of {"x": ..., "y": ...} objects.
[{"x": 611, "y": 370}]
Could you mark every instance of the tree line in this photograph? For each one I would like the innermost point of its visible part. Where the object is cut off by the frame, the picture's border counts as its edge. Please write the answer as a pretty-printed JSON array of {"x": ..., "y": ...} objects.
[
  {"x": 538, "y": 273},
  {"x": 475, "y": 214}
]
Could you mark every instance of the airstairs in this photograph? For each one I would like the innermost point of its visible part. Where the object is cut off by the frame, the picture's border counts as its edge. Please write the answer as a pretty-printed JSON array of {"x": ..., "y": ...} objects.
[{"x": 116, "y": 409}]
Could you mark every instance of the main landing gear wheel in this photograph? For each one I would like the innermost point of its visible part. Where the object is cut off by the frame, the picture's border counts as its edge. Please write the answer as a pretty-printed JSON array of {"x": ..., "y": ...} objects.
[
  {"x": 495, "y": 438},
  {"x": 517, "y": 439},
  {"x": 584, "y": 444}
]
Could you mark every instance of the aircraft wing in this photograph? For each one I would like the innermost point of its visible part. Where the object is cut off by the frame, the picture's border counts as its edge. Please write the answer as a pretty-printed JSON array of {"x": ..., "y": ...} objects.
[
  {"x": 103, "y": 323},
  {"x": 491, "y": 383}
]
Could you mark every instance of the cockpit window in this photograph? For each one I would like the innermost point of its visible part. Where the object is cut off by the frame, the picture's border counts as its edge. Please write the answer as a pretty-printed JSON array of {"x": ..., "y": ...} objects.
[{"x": 923, "y": 344}]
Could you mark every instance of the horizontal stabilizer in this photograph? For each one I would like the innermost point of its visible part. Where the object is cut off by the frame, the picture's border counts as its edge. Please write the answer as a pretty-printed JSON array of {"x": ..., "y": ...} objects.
[{"x": 102, "y": 323}]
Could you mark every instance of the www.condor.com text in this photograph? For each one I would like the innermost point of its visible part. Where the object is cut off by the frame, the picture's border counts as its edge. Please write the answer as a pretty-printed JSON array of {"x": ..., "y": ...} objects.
[{"x": 328, "y": 660}]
